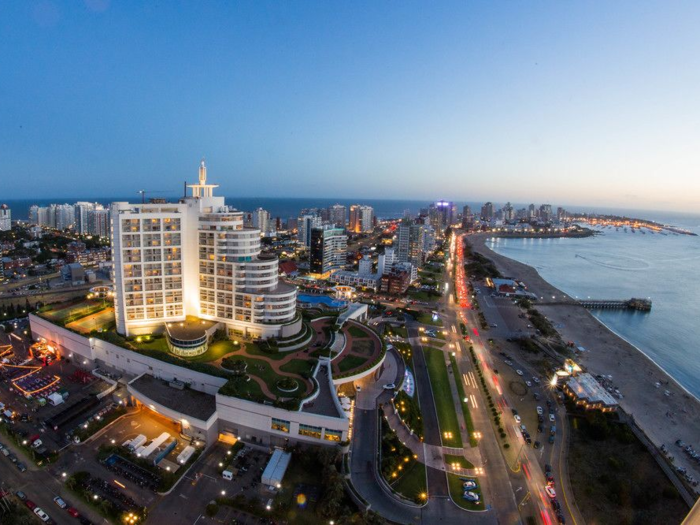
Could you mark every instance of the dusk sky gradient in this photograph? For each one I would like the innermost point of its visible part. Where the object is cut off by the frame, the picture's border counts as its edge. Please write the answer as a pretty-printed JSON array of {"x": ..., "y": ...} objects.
[{"x": 581, "y": 103}]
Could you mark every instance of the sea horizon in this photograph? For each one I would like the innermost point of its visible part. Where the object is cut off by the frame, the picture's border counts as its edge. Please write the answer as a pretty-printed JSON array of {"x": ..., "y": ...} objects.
[{"x": 286, "y": 207}]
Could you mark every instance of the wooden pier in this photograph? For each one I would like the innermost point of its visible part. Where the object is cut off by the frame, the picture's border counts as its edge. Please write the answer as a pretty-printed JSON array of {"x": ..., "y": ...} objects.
[{"x": 641, "y": 305}]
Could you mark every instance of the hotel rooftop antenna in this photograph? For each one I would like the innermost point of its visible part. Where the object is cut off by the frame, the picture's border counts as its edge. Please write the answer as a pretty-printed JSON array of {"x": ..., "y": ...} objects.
[{"x": 203, "y": 189}]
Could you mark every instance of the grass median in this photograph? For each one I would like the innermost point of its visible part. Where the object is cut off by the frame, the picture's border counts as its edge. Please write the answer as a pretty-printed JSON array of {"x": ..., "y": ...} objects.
[
  {"x": 457, "y": 491},
  {"x": 442, "y": 394},
  {"x": 465, "y": 406}
]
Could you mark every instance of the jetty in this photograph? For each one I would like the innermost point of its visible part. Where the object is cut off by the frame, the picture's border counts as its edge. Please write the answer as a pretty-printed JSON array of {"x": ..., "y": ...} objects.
[{"x": 641, "y": 305}]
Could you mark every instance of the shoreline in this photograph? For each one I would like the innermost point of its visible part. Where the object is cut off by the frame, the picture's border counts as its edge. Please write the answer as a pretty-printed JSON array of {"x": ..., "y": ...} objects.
[
  {"x": 678, "y": 384},
  {"x": 664, "y": 418}
]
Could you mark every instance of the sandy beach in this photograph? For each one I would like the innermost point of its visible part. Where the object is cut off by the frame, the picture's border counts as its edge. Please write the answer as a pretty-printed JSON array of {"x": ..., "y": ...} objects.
[{"x": 664, "y": 418}]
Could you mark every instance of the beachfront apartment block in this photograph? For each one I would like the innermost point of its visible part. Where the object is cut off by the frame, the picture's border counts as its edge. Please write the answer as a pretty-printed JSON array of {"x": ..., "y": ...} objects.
[{"x": 196, "y": 258}]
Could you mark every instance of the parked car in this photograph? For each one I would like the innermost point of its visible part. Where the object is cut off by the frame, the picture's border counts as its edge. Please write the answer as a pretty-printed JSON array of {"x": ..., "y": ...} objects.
[
  {"x": 517, "y": 418},
  {"x": 21, "y": 467},
  {"x": 59, "y": 501},
  {"x": 389, "y": 386},
  {"x": 42, "y": 515},
  {"x": 73, "y": 512},
  {"x": 21, "y": 495},
  {"x": 552, "y": 418},
  {"x": 470, "y": 496},
  {"x": 540, "y": 411}
]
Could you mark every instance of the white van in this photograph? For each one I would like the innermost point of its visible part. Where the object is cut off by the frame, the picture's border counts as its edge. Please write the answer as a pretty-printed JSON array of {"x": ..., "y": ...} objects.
[{"x": 227, "y": 475}]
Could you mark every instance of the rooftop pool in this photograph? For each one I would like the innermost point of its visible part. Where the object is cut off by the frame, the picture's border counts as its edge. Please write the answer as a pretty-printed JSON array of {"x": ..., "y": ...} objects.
[{"x": 325, "y": 300}]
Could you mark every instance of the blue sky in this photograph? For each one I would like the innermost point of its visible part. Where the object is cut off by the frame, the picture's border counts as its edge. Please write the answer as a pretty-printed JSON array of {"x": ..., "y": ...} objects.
[{"x": 575, "y": 103}]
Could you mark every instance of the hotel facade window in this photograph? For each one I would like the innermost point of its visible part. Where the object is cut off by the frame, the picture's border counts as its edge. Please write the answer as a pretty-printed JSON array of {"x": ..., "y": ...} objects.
[
  {"x": 332, "y": 435},
  {"x": 310, "y": 431},
  {"x": 280, "y": 424}
]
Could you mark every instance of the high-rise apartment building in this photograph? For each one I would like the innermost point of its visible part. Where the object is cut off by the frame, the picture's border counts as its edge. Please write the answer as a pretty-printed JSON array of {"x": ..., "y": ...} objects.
[
  {"x": 306, "y": 223},
  {"x": 546, "y": 212},
  {"x": 441, "y": 215},
  {"x": 195, "y": 258},
  {"x": 467, "y": 217},
  {"x": 99, "y": 223},
  {"x": 410, "y": 242},
  {"x": 337, "y": 215},
  {"x": 5, "y": 218},
  {"x": 487, "y": 211},
  {"x": 261, "y": 221},
  {"x": 328, "y": 251},
  {"x": 386, "y": 260},
  {"x": 361, "y": 218},
  {"x": 508, "y": 212}
]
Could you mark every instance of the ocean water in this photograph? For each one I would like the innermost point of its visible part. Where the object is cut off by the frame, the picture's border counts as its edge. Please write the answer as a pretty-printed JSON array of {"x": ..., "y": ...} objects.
[{"x": 619, "y": 265}]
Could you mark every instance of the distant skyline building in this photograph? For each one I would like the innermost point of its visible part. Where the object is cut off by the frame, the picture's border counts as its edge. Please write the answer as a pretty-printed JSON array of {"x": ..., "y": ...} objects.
[
  {"x": 410, "y": 242},
  {"x": 487, "y": 211},
  {"x": 261, "y": 221},
  {"x": 442, "y": 215},
  {"x": 306, "y": 223},
  {"x": 337, "y": 215},
  {"x": 5, "y": 218},
  {"x": 361, "y": 218}
]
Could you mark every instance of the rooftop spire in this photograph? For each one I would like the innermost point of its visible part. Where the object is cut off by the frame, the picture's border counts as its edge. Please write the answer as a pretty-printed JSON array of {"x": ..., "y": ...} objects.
[{"x": 202, "y": 173}]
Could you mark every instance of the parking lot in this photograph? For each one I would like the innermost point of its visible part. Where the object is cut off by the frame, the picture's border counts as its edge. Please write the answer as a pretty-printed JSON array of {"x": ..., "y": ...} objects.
[{"x": 29, "y": 381}]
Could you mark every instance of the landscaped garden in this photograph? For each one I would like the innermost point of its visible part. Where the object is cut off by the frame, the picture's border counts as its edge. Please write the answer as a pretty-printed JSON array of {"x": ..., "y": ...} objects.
[
  {"x": 442, "y": 393},
  {"x": 400, "y": 468},
  {"x": 409, "y": 412},
  {"x": 363, "y": 349}
]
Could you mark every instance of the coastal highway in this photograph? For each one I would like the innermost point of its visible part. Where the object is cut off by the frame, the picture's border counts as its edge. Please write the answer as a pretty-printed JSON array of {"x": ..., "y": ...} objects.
[{"x": 525, "y": 470}]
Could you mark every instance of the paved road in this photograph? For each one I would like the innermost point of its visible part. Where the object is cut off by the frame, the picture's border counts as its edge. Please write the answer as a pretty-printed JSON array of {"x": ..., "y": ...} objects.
[{"x": 41, "y": 487}]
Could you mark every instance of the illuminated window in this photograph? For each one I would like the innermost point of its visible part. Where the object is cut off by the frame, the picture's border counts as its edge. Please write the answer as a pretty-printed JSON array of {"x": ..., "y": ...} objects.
[
  {"x": 333, "y": 435},
  {"x": 280, "y": 424},
  {"x": 310, "y": 431}
]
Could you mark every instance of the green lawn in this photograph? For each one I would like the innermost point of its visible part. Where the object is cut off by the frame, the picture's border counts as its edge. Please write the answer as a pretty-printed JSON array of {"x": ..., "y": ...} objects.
[
  {"x": 412, "y": 483},
  {"x": 463, "y": 462},
  {"x": 398, "y": 330},
  {"x": 427, "y": 318},
  {"x": 456, "y": 492},
  {"x": 263, "y": 370},
  {"x": 442, "y": 394},
  {"x": 152, "y": 343},
  {"x": 238, "y": 387},
  {"x": 423, "y": 296},
  {"x": 357, "y": 332},
  {"x": 465, "y": 406},
  {"x": 351, "y": 362},
  {"x": 253, "y": 349},
  {"x": 298, "y": 366}
]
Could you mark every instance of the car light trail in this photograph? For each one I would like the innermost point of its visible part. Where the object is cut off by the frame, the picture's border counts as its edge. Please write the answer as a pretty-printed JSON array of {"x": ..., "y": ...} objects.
[{"x": 527, "y": 472}]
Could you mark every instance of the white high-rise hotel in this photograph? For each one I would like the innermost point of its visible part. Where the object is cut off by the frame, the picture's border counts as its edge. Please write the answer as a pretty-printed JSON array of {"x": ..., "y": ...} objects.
[{"x": 195, "y": 258}]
